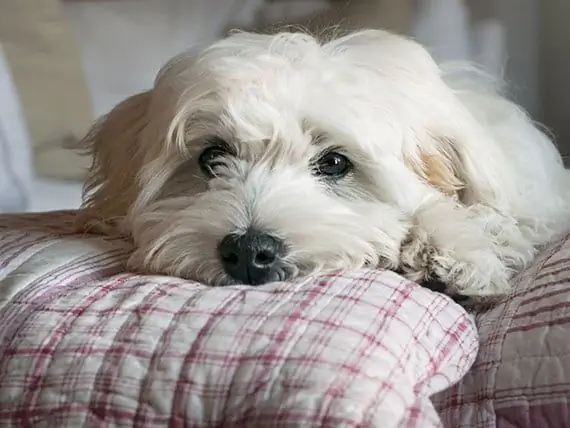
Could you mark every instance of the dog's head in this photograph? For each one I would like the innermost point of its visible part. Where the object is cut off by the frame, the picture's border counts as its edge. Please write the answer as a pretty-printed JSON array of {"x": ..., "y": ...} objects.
[{"x": 263, "y": 157}]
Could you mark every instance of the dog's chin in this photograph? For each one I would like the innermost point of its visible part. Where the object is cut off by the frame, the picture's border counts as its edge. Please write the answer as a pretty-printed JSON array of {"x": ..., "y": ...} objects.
[
  {"x": 288, "y": 275},
  {"x": 286, "y": 272},
  {"x": 189, "y": 263},
  {"x": 282, "y": 273}
]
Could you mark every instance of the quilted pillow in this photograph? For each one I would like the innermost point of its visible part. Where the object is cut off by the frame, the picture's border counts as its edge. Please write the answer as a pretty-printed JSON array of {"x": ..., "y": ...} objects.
[
  {"x": 521, "y": 378},
  {"x": 85, "y": 344}
]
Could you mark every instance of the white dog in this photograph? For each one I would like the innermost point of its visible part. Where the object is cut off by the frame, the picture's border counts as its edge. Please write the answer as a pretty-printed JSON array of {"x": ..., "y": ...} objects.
[{"x": 268, "y": 157}]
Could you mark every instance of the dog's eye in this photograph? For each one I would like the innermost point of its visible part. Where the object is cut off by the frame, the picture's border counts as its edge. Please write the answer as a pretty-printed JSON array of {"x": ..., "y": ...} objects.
[
  {"x": 211, "y": 158},
  {"x": 333, "y": 165}
]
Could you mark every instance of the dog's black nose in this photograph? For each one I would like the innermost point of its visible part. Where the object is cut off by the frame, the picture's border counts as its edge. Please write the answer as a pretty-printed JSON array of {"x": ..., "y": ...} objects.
[{"x": 252, "y": 258}]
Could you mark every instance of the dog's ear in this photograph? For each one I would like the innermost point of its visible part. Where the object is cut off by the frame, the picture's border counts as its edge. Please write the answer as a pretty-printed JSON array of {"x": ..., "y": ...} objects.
[
  {"x": 457, "y": 147},
  {"x": 467, "y": 166},
  {"x": 480, "y": 121},
  {"x": 438, "y": 165},
  {"x": 114, "y": 144}
]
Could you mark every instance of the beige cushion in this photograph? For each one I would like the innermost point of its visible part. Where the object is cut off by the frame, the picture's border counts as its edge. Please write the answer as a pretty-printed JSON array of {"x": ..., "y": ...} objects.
[{"x": 46, "y": 65}]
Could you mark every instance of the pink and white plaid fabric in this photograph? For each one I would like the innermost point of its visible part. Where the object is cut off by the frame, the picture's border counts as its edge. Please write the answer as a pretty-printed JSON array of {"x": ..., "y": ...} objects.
[{"x": 84, "y": 343}]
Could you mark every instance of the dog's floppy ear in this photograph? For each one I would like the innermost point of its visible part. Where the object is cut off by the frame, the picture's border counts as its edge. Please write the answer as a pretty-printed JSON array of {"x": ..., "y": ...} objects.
[
  {"x": 117, "y": 156},
  {"x": 466, "y": 162},
  {"x": 454, "y": 147},
  {"x": 440, "y": 166},
  {"x": 467, "y": 165}
]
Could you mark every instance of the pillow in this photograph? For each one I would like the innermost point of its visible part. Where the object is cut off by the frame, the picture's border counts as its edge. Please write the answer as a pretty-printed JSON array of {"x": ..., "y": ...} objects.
[
  {"x": 86, "y": 344},
  {"x": 521, "y": 377}
]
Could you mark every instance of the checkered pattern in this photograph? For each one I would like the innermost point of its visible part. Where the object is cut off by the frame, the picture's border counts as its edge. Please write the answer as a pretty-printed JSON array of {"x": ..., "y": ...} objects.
[
  {"x": 85, "y": 344},
  {"x": 521, "y": 377}
]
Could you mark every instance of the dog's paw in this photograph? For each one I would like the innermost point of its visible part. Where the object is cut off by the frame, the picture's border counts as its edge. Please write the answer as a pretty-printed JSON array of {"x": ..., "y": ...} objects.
[
  {"x": 477, "y": 274},
  {"x": 415, "y": 256},
  {"x": 438, "y": 286}
]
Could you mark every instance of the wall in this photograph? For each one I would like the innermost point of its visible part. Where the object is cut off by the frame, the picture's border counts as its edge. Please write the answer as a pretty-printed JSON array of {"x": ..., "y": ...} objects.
[
  {"x": 126, "y": 42},
  {"x": 509, "y": 31},
  {"x": 520, "y": 19},
  {"x": 555, "y": 58},
  {"x": 146, "y": 33}
]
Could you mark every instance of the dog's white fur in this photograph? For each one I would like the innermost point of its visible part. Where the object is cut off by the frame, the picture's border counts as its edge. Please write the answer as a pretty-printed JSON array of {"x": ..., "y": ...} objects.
[{"x": 451, "y": 179}]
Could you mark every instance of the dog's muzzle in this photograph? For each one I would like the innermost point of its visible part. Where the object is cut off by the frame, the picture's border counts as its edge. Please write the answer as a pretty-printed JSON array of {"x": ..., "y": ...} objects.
[{"x": 253, "y": 258}]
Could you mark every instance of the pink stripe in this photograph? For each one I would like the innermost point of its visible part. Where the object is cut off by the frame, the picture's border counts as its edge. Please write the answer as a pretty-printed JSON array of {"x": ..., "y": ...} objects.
[
  {"x": 20, "y": 245},
  {"x": 542, "y": 310},
  {"x": 544, "y": 295},
  {"x": 547, "y": 273},
  {"x": 14, "y": 318},
  {"x": 529, "y": 327}
]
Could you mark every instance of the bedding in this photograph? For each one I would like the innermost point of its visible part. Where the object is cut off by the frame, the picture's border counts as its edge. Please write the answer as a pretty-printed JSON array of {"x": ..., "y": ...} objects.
[
  {"x": 521, "y": 378},
  {"x": 84, "y": 343}
]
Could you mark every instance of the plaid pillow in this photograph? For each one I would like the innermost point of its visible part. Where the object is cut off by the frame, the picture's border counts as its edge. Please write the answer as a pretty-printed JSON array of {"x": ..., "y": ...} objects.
[{"x": 85, "y": 344}]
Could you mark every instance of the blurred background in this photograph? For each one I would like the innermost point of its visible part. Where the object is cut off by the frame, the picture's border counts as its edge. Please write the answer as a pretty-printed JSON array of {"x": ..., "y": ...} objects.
[{"x": 65, "y": 62}]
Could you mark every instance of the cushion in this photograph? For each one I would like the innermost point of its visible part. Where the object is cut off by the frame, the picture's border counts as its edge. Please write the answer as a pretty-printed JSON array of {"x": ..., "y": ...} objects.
[
  {"x": 85, "y": 343},
  {"x": 521, "y": 378}
]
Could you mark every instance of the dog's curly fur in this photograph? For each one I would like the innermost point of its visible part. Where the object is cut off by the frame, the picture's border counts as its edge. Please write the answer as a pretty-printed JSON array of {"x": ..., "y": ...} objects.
[{"x": 451, "y": 180}]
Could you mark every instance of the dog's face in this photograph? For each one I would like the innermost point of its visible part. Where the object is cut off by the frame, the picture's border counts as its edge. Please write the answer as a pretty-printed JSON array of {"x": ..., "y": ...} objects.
[{"x": 263, "y": 158}]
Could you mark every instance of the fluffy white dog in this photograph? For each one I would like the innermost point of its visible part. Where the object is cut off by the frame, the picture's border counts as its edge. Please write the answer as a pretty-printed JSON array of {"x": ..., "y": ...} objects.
[{"x": 268, "y": 157}]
